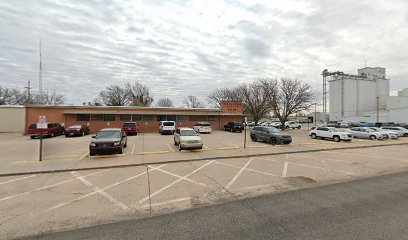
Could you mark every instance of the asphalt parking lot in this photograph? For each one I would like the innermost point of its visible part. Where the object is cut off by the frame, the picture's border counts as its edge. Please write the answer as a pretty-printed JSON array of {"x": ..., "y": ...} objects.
[
  {"x": 20, "y": 153},
  {"x": 59, "y": 201}
]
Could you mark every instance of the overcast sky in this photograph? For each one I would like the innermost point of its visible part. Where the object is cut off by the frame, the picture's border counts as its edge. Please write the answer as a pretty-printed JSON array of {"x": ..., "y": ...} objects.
[{"x": 179, "y": 47}]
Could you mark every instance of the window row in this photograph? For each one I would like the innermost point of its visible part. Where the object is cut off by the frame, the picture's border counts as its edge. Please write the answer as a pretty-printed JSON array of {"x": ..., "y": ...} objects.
[{"x": 142, "y": 118}]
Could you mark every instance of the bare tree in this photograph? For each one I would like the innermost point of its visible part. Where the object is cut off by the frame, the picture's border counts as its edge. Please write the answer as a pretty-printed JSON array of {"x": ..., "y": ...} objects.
[
  {"x": 114, "y": 95},
  {"x": 139, "y": 94},
  {"x": 164, "y": 102},
  {"x": 224, "y": 94},
  {"x": 192, "y": 102},
  {"x": 49, "y": 98},
  {"x": 254, "y": 100},
  {"x": 287, "y": 96},
  {"x": 6, "y": 96}
]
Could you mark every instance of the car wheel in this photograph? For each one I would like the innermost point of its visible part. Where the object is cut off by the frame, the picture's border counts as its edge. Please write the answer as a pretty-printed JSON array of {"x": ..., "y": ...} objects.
[
  {"x": 313, "y": 136},
  {"x": 287, "y": 127},
  {"x": 336, "y": 138},
  {"x": 299, "y": 127},
  {"x": 372, "y": 137},
  {"x": 91, "y": 154},
  {"x": 231, "y": 130},
  {"x": 83, "y": 134},
  {"x": 179, "y": 147},
  {"x": 52, "y": 135},
  {"x": 273, "y": 141},
  {"x": 32, "y": 137},
  {"x": 121, "y": 150},
  {"x": 253, "y": 138}
]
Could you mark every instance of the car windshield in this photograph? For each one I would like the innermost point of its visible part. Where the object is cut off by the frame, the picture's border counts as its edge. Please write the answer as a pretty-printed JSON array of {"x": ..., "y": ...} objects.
[
  {"x": 168, "y": 124},
  {"x": 188, "y": 133},
  {"x": 108, "y": 134},
  {"x": 129, "y": 125},
  {"x": 33, "y": 126},
  {"x": 238, "y": 124},
  {"x": 274, "y": 130},
  {"x": 75, "y": 127}
]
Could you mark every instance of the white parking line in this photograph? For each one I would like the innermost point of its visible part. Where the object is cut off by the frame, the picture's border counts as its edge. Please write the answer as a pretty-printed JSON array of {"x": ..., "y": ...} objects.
[
  {"x": 178, "y": 176},
  {"x": 166, "y": 202},
  {"x": 285, "y": 170},
  {"x": 170, "y": 147},
  {"x": 97, "y": 189},
  {"x": 50, "y": 186},
  {"x": 17, "y": 179},
  {"x": 174, "y": 182},
  {"x": 304, "y": 165},
  {"x": 133, "y": 149},
  {"x": 238, "y": 174},
  {"x": 248, "y": 169},
  {"x": 102, "y": 189},
  {"x": 85, "y": 155}
]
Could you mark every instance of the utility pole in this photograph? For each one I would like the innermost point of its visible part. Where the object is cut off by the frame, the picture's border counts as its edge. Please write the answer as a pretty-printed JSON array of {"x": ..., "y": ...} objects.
[
  {"x": 378, "y": 109},
  {"x": 28, "y": 92},
  {"x": 40, "y": 87}
]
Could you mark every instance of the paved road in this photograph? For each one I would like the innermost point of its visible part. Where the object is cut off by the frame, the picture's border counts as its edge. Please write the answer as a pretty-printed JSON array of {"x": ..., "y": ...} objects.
[{"x": 373, "y": 208}]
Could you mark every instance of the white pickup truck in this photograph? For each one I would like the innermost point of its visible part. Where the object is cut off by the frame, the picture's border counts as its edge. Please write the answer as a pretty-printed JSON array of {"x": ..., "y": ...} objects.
[{"x": 330, "y": 133}]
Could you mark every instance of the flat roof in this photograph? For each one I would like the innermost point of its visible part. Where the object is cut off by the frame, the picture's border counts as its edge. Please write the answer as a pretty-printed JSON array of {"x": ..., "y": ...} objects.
[{"x": 126, "y": 108}]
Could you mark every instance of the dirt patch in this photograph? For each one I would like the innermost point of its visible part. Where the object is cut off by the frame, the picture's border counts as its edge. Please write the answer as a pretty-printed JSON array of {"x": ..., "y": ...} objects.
[{"x": 300, "y": 180}]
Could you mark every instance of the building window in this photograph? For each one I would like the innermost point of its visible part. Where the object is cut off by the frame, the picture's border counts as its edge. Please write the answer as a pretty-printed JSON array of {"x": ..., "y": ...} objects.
[
  {"x": 181, "y": 118},
  {"x": 109, "y": 117},
  {"x": 211, "y": 118},
  {"x": 97, "y": 117},
  {"x": 147, "y": 118},
  {"x": 201, "y": 118},
  {"x": 125, "y": 118},
  {"x": 166, "y": 117},
  {"x": 136, "y": 118},
  {"x": 83, "y": 117}
]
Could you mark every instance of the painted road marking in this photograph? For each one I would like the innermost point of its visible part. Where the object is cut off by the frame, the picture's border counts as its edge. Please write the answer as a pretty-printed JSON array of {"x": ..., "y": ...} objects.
[
  {"x": 17, "y": 179},
  {"x": 238, "y": 174},
  {"x": 109, "y": 156},
  {"x": 207, "y": 147},
  {"x": 228, "y": 148},
  {"x": 83, "y": 156},
  {"x": 133, "y": 149},
  {"x": 50, "y": 186},
  {"x": 177, "y": 176},
  {"x": 257, "y": 146},
  {"x": 304, "y": 165},
  {"x": 174, "y": 182},
  {"x": 248, "y": 169},
  {"x": 97, "y": 189},
  {"x": 170, "y": 147},
  {"x": 285, "y": 170},
  {"x": 151, "y": 153},
  {"x": 166, "y": 202},
  {"x": 102, "y": 189}
]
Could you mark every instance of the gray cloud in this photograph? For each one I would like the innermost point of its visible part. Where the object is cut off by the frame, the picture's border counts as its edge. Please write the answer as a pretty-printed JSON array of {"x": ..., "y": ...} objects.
[{"x": 179, "y": 48}]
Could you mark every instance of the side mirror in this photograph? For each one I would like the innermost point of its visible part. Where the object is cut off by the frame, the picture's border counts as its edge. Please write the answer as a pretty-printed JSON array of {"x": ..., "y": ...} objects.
[{"x": 93, "y": 136}]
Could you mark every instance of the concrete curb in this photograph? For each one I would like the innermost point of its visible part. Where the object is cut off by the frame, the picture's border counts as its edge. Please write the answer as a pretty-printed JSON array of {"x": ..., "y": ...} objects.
[{"x": 193, "y": 160}]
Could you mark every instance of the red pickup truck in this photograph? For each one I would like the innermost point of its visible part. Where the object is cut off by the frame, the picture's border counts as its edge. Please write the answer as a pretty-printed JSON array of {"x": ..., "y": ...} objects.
[{"x": 52, "y": 130}]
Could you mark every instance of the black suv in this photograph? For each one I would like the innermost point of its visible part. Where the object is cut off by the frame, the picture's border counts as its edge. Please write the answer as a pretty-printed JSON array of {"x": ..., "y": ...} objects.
[
  {"x": 234, "y": 127},
  {"x": 270, "y": 135}
]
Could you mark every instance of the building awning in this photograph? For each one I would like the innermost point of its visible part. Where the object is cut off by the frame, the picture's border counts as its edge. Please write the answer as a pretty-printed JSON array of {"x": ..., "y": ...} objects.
[{"x": 118, "y": 112}]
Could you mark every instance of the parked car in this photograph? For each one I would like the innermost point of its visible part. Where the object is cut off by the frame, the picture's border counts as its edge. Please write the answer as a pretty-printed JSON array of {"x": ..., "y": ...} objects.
[
  {"x": 234, "y": 127},
  {"x": 187, "y": 138},
  {"x": 167, "y": 127},
  {"x": 108, "y": 141},
  {"x": 264, "y": 124},
  {"x": 335, "y": 125},
  {"x": 400, "y": 130},
  {"x": 344, "y": 125},
  {"x": 293, "y": 125},
  {"x": 390, "y": 134},
  {"x": 365, "y": 132},
  {"x": 404, "y": 126},
  {"x": 250, "y": 123},
  {"x": 269, "y": 134},
  {"x": 77, "y": 130},
  {"x": 275, "y": 124},
  {"x": 130, "y": 128},
  {"x": 330, "y": 133},
  {"x": 202, "y": 127},
  {"x": 53, "y": 129}
]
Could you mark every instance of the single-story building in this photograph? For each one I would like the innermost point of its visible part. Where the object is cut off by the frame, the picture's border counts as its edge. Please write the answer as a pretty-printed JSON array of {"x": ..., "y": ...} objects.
[{"x": 98, "y": 117}]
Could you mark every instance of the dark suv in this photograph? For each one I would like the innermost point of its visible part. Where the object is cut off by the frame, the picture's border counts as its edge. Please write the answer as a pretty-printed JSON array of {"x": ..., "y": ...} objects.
[
  {"x": 270, "y": 135},
  {"x": 234, "y": 127},
  {"x": 107, "y": 141},
  {"x": 130, "y": 128}
]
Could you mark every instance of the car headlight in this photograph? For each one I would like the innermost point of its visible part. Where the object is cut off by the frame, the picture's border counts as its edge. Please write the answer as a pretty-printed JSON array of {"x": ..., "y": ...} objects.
[
  {"x": 93, "y": 145},
  {"x": 116, "y": 143}
]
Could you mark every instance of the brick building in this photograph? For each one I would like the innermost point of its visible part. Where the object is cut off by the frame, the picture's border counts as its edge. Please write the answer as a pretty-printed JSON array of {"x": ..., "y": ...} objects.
[{"x": 100, "y": 117}]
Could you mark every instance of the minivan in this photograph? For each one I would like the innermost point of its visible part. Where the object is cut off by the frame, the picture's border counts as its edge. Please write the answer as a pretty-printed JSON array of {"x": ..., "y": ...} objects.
[{"x": 167, "y": 127}]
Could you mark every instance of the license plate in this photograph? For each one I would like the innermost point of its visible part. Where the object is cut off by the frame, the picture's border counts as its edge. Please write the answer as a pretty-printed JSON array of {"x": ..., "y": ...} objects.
[
  {"x": 129, "y": 129},
  {"x": 71, "y": 134}
]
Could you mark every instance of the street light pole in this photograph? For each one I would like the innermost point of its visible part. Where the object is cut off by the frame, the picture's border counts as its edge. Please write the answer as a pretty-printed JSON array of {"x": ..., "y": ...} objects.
[
  {"x": 315, "y": 115},
  {"x": 378, "y": 109}
]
